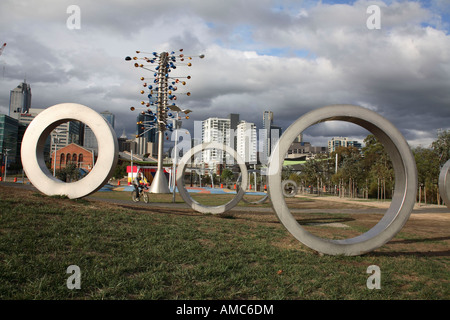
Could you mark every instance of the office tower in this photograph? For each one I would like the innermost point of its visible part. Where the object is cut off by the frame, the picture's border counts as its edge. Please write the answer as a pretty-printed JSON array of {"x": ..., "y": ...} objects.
[
  {"x": 20, "y": 100},
  {"x": 267, "y": 123},
  {"x": 275, "y": 134},
  {"x": 88, "y": 138},
  {"x": 148, "y": 135},
  {"x": 267, "y": 119},
  {"x": 110, "y": 117},
  {"x": 246, "y": 141},
  {"x": 9, "y": 129},
  {"x": 234, "y": 122},
  {"x": 121, "y": 141}
]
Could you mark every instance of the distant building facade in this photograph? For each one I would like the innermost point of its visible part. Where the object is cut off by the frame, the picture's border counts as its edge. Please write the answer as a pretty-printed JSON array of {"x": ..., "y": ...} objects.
[
  {"x": 304, "y": 150},
  {"x": 9, "y": 129},
  {"x": 73, "y": 153},
  {"x": 88, "y": 139},
  {"x": 337, "y": 142},
  {"x": 19, "y": 100}
]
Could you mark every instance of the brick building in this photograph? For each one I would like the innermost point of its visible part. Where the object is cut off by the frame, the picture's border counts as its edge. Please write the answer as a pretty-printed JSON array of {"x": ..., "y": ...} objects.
[{"x": 74, "y": 153}]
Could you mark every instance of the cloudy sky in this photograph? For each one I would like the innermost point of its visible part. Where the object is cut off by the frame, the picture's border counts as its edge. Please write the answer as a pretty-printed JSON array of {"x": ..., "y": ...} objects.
[{"x": 287, "y": 56}]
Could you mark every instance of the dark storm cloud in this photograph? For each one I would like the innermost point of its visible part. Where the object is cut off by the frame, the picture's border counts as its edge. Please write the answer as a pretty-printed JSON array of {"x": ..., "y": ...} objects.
[{"x": 289, "y": 57}]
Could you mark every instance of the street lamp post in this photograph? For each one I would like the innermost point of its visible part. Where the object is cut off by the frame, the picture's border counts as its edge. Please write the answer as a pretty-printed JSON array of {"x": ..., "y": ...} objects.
[
  {"x": 6, "y": 162},
  {"x": 175, "y": 122},
  {"x": 55, "y": 142},
  {"x": 176, "y": 125}
]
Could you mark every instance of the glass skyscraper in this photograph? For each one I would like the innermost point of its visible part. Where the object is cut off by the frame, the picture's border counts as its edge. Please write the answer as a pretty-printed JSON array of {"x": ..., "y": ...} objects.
[
  {"x": 89, "y": 139},
  {"x": 20, "y": 100}
]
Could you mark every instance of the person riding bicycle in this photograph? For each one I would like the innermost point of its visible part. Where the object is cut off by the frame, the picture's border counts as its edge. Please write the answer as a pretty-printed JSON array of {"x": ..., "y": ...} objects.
[{"x": 137, "y": 184}]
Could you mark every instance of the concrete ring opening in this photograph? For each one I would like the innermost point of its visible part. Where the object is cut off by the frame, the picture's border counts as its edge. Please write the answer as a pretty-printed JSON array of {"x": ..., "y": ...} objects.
[
  {"x": 184, "y": 192},
  {"x": 444, "y": 183},
  {"x": 33, "y": 143},
  {"x": 403, "y": 163}
]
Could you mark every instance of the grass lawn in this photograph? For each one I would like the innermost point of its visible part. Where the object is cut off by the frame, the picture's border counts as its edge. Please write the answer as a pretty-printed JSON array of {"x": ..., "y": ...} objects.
[{"x": 144, "y": 252}]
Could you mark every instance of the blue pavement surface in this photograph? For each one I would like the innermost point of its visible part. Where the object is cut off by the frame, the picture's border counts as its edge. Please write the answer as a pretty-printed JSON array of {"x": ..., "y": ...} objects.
[{"x": 207, "y": 190}]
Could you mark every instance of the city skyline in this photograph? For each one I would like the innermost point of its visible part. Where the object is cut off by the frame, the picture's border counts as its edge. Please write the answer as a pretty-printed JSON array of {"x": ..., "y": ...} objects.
[
  {"x": 286, "y": 56},
  {"x": 243, "y": 133}
]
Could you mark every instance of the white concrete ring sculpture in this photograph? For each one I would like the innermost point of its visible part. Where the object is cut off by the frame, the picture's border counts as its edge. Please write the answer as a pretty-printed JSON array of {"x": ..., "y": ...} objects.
[
  {"x": 444, "y": 183},
  {"x": 185, "y": 194},
  {"x": 405, "y": 180},
  {"x": 33, "y": 143},
  {"x": 259, "y": 201},
  {"x": 289, "y": 188}
]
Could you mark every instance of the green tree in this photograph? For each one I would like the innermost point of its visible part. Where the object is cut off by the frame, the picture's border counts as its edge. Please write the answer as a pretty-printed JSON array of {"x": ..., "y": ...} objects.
[
  {"x": 441, "y": 146},
  {"x": 378, "y": 168},
  {"x": 350, "y": 170},
  {"x": 314, "y": 172},
  {"x": 120, "y": 171},
  {"x": 428, "y": 169},
  {"x": 68, "y": 174},
  {"x": 227, "y": 176}
]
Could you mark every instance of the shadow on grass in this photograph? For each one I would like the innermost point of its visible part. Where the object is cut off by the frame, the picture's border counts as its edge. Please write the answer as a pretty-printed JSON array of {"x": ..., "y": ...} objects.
[
  {"x": 424, "y": 253},
  {"x": 177, "y": 211},
  {"x": 445, "y": 253},
  {"x": 314, "y": 221}
]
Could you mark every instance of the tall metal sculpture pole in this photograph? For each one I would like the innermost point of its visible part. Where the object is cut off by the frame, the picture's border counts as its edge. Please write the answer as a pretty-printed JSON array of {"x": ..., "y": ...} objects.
[
  {"x": 159, "y": 183},
  {"x": 166, "y": 63}
]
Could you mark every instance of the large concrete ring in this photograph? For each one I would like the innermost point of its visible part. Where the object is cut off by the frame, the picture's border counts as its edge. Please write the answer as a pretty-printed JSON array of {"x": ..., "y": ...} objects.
[
  {"x": 444, "y": 183},
  {"x": 291, "y": 192},
  {"x": 405, "y": 180},
  {"x": 185, "y": 194},
  {"x": 33, "y": 143}
]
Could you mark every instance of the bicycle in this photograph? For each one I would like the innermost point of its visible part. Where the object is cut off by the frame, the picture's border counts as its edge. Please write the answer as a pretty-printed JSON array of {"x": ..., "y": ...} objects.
[{"x": 142, "y": 194}]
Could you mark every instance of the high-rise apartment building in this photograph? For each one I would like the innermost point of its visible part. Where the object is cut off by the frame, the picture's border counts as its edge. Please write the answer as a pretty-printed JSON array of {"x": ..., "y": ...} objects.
[
  {"x": 67, "y": 133},
  {"x": 215, "y": 130},
  {"x": 19, "y": 100},
  {"x": 337, "y": 142},
  {"x": 246, "y": 145}
]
